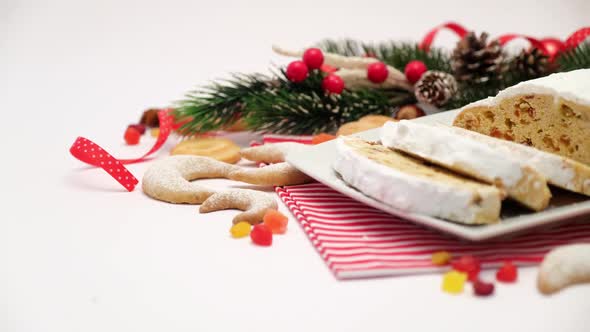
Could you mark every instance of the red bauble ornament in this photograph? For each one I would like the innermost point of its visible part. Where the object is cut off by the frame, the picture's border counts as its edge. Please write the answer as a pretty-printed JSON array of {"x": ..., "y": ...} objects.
[
  {"x": 414, "y": 70},
  {"x": 297, "y": 71},
  {"x": 313, "y": 58},
  {"x": 377, "y": 72},
  {"x": 333, "y": 84},
  {"x": 553, "y": 47}
]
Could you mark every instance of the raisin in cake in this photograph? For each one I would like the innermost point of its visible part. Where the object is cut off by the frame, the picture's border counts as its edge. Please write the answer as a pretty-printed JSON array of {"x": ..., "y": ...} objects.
[
  {"x": 550, "y": 113},
  {"x": 442, "y": 146},
  {"x": 411, "y": 185}
]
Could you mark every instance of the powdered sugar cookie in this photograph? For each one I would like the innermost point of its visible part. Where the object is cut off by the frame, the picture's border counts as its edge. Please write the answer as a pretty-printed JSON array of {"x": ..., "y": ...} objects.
[
  {"x": 564, "y": 266},
  {"x": 270, "y": 153},
  {"x": 170, "y": 179},
  {"x": 218, "y": 148},
  {"x": 253, "y": 203}
]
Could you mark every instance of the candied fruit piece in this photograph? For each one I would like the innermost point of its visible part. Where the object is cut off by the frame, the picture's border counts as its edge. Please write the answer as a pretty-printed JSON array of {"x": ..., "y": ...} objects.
[
  {"x": 240, "y": 229},
  {"x": 261, "y": 235},
  {"x": 321, "y": 138},
  {"x": 155, "y": 132},
  {"x": 139, "y": 127},
  {"x": 441, "y": 258},
  {"x": 132, "y": 136},
  {"x": 469, "y": 265},
  {"x": 275, "y": 221},
  {"x": 507, "y": 273},
  {"x": 481, "y": 288},
  {"x": 453, "y": 282}
]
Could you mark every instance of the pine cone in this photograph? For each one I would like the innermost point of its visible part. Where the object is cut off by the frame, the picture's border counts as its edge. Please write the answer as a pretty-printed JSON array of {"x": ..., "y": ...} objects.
[
  {"x": 476, "y": 61},
  {"x": 435, "y": 88},
  {"x": 531, "y": 63}
]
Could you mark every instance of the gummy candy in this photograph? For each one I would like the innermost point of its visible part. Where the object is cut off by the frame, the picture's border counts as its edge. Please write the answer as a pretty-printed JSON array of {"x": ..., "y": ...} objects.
[
  {"x": 469, "y": 265},
  {"x": 441, "y": 258},
  {"x": 453, "y": 282},
  {"x": 139, "y": 127},
  {"x": 240, "y": 229},
  {"x": 261, "y": 235},
  {"x": 507, "y": 273},
  {"x": 132, "y": 136},
  {"x": 483, "y": 288},
  {"x": 321, "y": 138},
  {"x": 155, "y": 132},
  {"x": 275, "y": 221}
]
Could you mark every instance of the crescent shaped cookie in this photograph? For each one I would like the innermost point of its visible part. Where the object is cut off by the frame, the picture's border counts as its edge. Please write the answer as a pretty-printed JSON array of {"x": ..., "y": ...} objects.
[
  {"x": 564, "y": 266},
  {"x": 253, "y": 203}
]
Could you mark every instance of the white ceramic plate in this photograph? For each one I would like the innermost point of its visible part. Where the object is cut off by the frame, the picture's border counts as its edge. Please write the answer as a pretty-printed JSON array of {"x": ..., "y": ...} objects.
[{"x": 316, "y": 161}]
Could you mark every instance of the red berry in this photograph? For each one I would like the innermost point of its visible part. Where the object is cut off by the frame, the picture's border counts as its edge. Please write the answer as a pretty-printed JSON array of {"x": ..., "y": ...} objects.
[
  {"x": 313, "y": 58},
  {"x": 469, "y": 265},
  {"x": 377, "y": 72},
  {"x": 132, "y": 136},
  {"x": 261, "y": 235},
  {"x": 297, "y": 71},
  {"x": 333, "y": 84},
  {"x": 483, "y": 288},
  {"x": 139, "y": 127},
  {"x": 507, "y": 273},
  {"x": 414, "y": 70}
]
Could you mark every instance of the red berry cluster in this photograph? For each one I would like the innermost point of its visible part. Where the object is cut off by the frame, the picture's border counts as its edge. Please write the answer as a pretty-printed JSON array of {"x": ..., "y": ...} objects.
[{"x": 313, "y": 58}]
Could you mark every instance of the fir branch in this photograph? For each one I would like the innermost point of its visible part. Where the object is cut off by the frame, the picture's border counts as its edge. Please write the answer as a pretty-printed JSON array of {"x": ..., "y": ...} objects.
[
  {"x": 304, "y": 108},
  {"x": 395, "y": 54},
  {"x": 576, "y": 58},
  {"x": 220, "y": 104}
]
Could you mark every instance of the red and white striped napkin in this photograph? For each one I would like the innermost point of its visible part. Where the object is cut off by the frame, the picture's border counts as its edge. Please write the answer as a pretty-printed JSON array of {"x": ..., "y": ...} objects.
[{"x": 359, "y": 241}]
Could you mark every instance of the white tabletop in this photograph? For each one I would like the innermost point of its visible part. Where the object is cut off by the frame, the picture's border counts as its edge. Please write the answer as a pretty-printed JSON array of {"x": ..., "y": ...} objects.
[{"x": 79, "y": 254}]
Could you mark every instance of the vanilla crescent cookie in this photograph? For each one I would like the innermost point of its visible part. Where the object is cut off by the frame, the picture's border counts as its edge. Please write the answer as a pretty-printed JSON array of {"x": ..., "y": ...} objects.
[
  {"x": 563, "y": 267},
  {"x": 170, "y": 179},
  {"x": 253, "y": 203},
  {"x": 270, "y": 153}
]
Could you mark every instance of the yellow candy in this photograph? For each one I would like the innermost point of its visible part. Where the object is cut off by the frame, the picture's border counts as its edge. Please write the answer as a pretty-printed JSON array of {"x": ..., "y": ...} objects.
[
  {"x": 240, "y": 229},
  {"x": 453, "y": 282},
  {"x": 441, "y": 258},
  {"x": 155, "y": 132}
]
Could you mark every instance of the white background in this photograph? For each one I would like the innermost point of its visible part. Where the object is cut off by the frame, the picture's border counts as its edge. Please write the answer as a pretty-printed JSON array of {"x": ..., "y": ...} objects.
[{"x": 77, "y": 254}]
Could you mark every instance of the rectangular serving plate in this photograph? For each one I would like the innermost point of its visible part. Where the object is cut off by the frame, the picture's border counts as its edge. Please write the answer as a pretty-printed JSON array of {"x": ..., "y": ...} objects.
[{"x": 316, "y": 161}]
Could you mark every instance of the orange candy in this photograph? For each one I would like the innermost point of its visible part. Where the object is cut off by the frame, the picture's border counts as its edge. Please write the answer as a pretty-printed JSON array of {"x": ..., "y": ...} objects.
[
  {"x": 321, "y": 138},
  {"x": 276, "y": 221}
]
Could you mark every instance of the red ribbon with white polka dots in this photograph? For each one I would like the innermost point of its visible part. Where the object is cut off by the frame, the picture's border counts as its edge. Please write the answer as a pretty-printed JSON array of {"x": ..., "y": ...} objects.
[{"x": 90, "y": 153}]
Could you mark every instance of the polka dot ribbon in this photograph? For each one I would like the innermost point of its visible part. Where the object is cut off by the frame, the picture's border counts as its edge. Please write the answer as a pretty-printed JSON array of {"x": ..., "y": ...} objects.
[
  {"x": 90, "y": 153},
  {"x": 549, "y": 46}
]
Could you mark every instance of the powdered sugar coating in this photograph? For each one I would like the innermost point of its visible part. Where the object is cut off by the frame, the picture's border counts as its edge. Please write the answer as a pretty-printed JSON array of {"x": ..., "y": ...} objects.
[
  {"x": 254, "y": 203},
  {"x": 564, "y": 266},
  {"x": 573, "y": 86}
]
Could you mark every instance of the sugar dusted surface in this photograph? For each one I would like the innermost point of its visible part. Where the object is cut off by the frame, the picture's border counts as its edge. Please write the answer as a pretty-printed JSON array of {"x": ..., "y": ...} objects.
[
  {"x": 573, "y": 86},
  {"x": 564, "y": 266}
]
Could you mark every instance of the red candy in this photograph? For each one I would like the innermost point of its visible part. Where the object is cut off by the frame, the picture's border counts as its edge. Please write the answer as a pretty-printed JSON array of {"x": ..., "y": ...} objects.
[
  {"x": 261, "y": 235},
  {"x": 469, "y": 265},
  {"x": 507, "y": 273},
  {"x": 139, "y": 127},
  {"x": 132, "y": 136},
  {"x": 313, "y": 58},
  {"x": 483, "y": 288},
  {"x": 275, "y": 221}
]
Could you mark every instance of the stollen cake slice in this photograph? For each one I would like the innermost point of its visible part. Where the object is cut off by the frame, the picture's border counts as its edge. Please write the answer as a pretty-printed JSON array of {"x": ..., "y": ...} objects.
[
  {"x": 442, "y": 146},
  {"x": 559, "y": 171},
  {"x": 551, "y": 113},
  {"x": 409, "y": 184}
]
